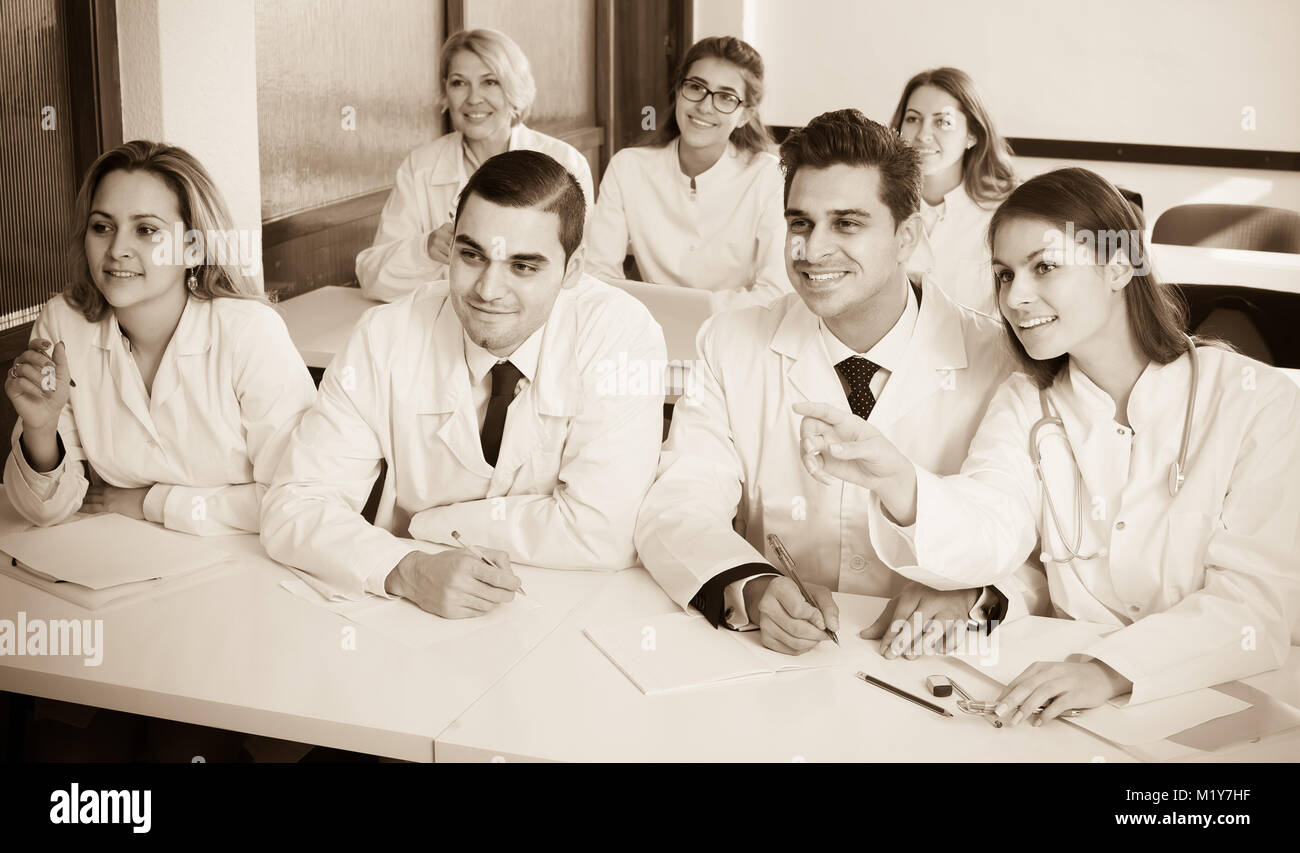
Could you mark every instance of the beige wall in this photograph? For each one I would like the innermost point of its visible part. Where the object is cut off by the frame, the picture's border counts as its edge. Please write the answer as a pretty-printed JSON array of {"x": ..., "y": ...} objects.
[
  {"x": 559, "y": 39},
  {"x": 189, "y": 78},
  {"x": 317, "y": 57}
]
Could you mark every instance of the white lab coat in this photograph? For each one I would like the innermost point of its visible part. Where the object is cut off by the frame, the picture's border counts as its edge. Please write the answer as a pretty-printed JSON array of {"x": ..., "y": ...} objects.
[
  {"x": 726, "y": 236},
  {"x": 955, "y": 252},
  {"x": 424, "y": 198},
  {"x": 1204, "y": 587},
  {"x": 228, "y": 392},
  {"x": 577, "y": 455},
  {"x": 733, "y": 450}
]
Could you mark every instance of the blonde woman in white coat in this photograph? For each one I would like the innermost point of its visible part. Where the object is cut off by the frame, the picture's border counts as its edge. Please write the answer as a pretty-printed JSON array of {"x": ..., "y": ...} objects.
[
  {"x": 187, "y": 384},
  {"x": 488, "y": 91},
  {"x": 1167, "y": 505}
]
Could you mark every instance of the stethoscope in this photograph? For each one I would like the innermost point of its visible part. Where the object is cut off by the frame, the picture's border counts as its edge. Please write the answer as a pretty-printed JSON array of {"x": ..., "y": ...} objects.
[{"x": 1177, "y": 471}]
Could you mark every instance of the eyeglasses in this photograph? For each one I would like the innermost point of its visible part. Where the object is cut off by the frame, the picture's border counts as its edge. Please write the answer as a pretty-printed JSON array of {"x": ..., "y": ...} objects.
[{"x": 724, "y": 102}]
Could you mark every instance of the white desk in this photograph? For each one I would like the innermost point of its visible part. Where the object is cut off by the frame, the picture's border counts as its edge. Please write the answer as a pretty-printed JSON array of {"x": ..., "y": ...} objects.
[
  {"x": 321, "y": 320},
  {"x": 1198, "y": 265},
  {"x": 567, "y": 702},
  {"x": 238, "y": 652}
]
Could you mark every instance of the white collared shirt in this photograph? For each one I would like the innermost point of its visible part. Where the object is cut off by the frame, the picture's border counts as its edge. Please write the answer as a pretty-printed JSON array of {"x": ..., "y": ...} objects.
[
  {"x": 954, "y": 251},
  {"x": 889, "y": 352},
  {"x": 725, "y": 234},
  {"x": 229, "y": 390},
  {"x": 424, "y": 196},
  {"x": 1203, "y": 587},
  {"x": 480, "y": 363}
]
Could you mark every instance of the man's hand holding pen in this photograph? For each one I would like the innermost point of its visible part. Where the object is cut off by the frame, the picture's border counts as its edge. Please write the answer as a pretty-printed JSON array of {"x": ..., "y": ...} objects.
[{"x": 786, "y": 622}]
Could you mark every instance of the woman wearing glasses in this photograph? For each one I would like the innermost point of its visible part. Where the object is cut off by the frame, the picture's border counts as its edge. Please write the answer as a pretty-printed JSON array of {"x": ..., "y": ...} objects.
[
  {"x": 488, "y": 91},
  {"x": 966, "y": 171},
  {"x": 701, "y": 205},
  {"x": 1157, "y": 478}
]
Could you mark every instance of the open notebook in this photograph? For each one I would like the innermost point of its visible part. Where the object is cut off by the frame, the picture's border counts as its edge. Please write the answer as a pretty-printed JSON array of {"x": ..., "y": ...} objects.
[{"x": 677, "y": 651}]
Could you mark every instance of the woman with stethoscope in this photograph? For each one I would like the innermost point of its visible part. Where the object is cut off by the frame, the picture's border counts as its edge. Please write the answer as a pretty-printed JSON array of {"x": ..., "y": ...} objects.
[{"x": 1160, "y": 481}]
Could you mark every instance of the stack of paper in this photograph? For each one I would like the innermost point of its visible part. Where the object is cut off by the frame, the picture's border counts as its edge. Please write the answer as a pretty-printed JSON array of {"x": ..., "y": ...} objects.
[{"x": 106, "y": 558}]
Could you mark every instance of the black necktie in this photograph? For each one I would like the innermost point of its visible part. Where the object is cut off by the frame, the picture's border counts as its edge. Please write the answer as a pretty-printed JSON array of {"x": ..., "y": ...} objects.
[
  {"x": 505, "y": 379},
  {"x": 857, "y": 371}
]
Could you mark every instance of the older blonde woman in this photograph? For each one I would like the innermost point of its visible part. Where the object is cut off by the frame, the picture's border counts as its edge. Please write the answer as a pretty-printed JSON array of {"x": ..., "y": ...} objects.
[{"x": 488, "y": 90}]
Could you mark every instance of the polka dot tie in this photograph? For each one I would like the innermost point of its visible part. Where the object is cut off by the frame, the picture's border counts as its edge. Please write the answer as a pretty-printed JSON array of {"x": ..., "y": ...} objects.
[{"x": 857, "y": 371}]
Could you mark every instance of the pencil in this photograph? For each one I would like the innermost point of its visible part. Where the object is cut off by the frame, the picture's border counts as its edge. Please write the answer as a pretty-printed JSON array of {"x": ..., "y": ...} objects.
[
  {"x": 903, "y": 694},
  {"x": 477, "y": 553},
  {"x": 788, "y": 563}
]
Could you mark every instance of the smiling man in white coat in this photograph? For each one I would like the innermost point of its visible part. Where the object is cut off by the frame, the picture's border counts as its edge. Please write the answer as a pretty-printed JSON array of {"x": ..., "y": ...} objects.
[
  {"x": 857, "y": 331},
  {"x": 489, "y": 398}
]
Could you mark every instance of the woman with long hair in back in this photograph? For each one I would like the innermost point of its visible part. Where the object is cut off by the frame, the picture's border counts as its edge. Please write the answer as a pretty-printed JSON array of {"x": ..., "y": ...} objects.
[
  {"x": 487, "y": 90},
  {"x": 966, "y": 172},
  {"x": 160, "y": 367},
  {"x": 1153, "y": 473},
  {"x": 701, "y": 205}
]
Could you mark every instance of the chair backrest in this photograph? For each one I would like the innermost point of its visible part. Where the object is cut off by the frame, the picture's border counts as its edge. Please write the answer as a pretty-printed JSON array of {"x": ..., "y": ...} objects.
[{"x": 1230, "y": 226}]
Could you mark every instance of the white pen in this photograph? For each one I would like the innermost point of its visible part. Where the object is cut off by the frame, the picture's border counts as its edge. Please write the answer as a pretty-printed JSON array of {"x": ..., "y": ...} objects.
[{"x": 477, "y": 553}]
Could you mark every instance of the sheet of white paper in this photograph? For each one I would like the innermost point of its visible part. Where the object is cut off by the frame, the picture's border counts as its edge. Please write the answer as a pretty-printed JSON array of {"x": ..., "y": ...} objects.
[
  {"x": 673, "y": 651},
  {"x": 1017, "y": 644},
  {"x": 405, "y": 623},
  {"x": 1153, "y": 721},
  {"x": 108, "y": 550}
]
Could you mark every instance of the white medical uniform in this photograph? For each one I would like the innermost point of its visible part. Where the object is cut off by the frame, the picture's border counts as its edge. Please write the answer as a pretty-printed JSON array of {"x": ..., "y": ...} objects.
[
  {"x": 579, "y": 448},
  {"x": 953, "y": 249},
  {"x": 1203, "y": 587},
  {"x": 229, "y": 391},
  {"x": 731, "y": 470},
  {"x": 724, "y": 232}
]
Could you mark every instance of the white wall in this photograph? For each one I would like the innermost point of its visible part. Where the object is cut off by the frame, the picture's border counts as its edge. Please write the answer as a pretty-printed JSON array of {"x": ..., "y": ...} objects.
[
  {"x": 720, "y": 18},
  {"x": 189, "y": 78},
  {"x": 1145, "y": 71},
  {"x": 1161, "y": 72}
]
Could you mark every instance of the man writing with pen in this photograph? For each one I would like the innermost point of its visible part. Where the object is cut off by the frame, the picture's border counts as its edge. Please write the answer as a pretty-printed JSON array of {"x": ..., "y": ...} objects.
[
  {"x": 893, "y": 349},
  {"x": 485, "y": 395}
]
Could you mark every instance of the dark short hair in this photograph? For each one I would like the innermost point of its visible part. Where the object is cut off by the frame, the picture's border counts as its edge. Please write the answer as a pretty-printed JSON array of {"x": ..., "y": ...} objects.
[
  {"x": 524, "y": 179},
  {"x": 850, "y": 138}
]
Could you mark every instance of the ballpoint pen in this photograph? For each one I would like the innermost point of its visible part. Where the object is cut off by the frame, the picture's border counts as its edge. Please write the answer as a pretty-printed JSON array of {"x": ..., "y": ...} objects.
[
  {"x": 477, "y": 553},
  {"x": 788, "y": 563}
]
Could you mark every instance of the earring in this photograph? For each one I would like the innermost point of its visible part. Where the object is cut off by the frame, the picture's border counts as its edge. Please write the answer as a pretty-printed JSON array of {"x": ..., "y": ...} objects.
[{"x": 192, "y": 282}]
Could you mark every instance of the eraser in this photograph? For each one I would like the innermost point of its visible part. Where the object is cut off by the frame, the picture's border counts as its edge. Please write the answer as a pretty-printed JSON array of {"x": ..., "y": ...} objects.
[{"x": 939, "y": 685}]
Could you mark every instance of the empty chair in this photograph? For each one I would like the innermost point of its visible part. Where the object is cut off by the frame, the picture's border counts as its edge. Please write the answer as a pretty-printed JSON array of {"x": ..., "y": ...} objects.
[{"x": 1230, "y": 226}]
